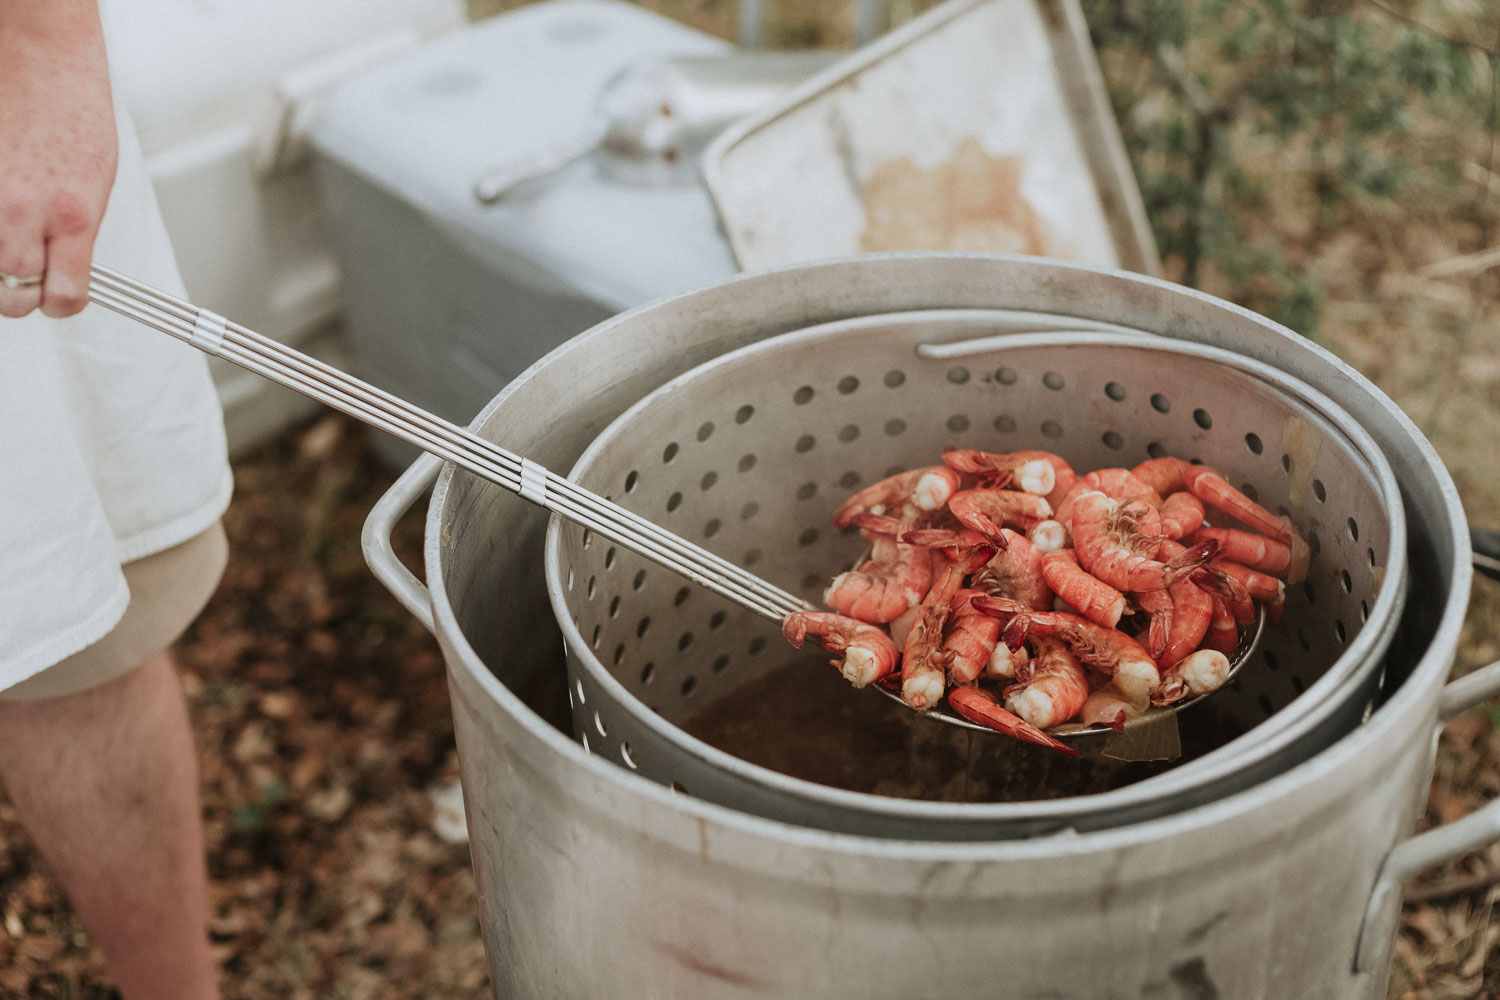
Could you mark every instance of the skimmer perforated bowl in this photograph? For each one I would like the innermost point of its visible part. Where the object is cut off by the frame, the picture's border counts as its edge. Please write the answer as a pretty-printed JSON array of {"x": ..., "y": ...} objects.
[{"x": 750, "y": 453}]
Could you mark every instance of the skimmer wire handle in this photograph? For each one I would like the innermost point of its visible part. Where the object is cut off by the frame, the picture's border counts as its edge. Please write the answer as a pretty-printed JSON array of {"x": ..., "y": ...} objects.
[{"x": 214, "y": 335}]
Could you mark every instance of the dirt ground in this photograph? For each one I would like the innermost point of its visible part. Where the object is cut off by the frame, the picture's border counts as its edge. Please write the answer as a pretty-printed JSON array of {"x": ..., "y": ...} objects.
[{"x": 321, "y": 707}]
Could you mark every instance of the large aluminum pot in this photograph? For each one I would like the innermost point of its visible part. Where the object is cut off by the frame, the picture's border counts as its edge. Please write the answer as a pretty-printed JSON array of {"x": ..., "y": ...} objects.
[{"x": 596, "y": 882}]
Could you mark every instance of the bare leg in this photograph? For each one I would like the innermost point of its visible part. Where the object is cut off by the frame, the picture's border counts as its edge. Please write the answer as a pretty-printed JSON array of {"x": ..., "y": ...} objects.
[{"x": 106, "y": 782}]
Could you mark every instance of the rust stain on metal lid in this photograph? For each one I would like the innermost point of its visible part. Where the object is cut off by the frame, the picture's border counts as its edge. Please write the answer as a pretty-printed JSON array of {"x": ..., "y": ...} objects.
[{"x": 972, "y": 201}]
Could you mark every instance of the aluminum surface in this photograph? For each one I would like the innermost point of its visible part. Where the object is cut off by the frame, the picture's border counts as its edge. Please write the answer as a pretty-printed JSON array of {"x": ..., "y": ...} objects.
[
  {"x": 597, "y": 882},
  {"x": 979, "y": 125},
  {"x": 655, "y": 117}
]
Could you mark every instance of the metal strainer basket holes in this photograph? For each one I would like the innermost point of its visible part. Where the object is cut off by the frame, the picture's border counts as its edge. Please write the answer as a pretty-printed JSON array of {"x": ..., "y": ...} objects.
[{"x": 748, "y": 456}]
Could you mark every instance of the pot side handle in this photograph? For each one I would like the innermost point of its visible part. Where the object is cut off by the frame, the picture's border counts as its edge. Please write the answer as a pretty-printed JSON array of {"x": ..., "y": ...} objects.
[
  {"x": 376, "y": 537},
  {"x": 1434, "y": 847}
]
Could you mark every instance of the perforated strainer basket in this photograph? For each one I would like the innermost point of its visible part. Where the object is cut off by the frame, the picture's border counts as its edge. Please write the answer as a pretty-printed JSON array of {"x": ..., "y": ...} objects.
[{"x": 750, "y": 453}]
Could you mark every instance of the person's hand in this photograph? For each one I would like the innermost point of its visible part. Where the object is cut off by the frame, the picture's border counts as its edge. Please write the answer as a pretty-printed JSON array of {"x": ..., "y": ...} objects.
[{"x": 58, "y": 151}]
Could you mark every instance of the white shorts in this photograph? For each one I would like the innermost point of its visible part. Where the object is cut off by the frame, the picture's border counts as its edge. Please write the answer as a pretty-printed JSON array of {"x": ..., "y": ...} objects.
[{"x": 112, "y": 449}]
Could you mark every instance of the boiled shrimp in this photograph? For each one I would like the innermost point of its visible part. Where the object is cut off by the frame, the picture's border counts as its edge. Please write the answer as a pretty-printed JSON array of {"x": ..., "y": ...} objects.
[
  {"x": 970, "y": 639},
  {"x": 987, "y": 511},
  {"x": 893, "y": 579},
  {"x": 1223, "y": 629},
  {"x": 1214, "y": 490},
  {"x": 1117, "y": 484},
  {"x": 1025, "y": 471},
  {"x": 869, "y": 654},
  {"x": 1204, "y": 671},
  {"x": 1051, "y": 689},
  {"x": 1118, "y": 542},
  {"x": 968, "y": 547},
  {"x": 1228, "y": 590},
  {"x": 1106, "y": 706},
  {"x": 1164, "y": 475},
  {"x": 1180, "y": 616},
  {"x": 1260, "y": 586},
  {"x": 905, "y": 495},
  {"x": 1015, "y": 572},
  {"x": 978, "y": 705},
  {"x": 1258, "y": 552},
  {"x": 924, "y": 662},
  {"x": 1089, "y": 595},
  {"x": 1181, "y": 515},
  {"x": 1047, "y": 536},
  {"x": 1006, "y": 663},
  {"x": 1107, "y": 650}
]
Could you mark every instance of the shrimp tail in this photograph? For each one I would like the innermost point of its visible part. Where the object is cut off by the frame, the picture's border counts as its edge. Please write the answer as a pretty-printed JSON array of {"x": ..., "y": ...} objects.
[{"x": 980, "y": 706}]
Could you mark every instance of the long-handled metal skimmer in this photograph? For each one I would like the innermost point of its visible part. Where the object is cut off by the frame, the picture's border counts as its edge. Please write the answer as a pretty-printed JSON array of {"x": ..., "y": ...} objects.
[{"x": 215, "y": 335}]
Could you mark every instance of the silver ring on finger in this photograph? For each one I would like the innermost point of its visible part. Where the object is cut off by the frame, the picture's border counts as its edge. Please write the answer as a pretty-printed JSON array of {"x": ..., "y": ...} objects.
[{"x": 16, "y": 281}]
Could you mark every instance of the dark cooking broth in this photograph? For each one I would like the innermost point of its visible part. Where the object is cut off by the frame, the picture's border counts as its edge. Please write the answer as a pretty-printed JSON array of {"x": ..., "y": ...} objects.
[{"x": 804, "y": 720}]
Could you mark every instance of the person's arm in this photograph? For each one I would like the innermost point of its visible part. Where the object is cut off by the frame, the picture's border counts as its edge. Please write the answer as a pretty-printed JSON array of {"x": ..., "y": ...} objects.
[{"x": 57, "y": 151}]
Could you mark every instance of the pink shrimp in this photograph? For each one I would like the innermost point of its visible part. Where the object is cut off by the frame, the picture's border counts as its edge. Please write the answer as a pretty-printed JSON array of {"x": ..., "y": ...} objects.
[
  {"x": 1199, "y": 673},
  {"x": 1107, "y": 650},
  {"x": 924, "y": 662},
  {"x": 1051, "y": 689},
  {"x": 1028, "y": 471},
  {"x": 924, "y": 667},
  {"x": 1118, "y": 542},
  {"x": 987, "y": 511},
  {"x": 1066, "y": 477},
  {"x": 1223, "y": 631},
  {"x": 965, "y": 545},
  {"x": 1063, "y": 476},
  {"x": 900, "y": 626},
  {"x": 1047, "y": 536},
  {"x": 1180, "y": 615},
  {"x": 895, "y": 577},
  {"x": 1265, "y": 555},
  {"x": 1006, "y": 663},
  {"x": 1227, "y": 589},
  {"x": 1015, "y": 572},
  {"x": 869, "y": 654},
  {"x": 1158, "y": 607},
  {"x": 1106, "y": 706},
  {"x": 978, "y": 705},
  {"x": 1091, "y": 596},
  {"x": 905, "y": 495},
  {"x": 1181, "y": 515},
  {"x": 1214, "y": 490},
  {"x": 1275, "y": 609},
  {"x": 1164, "y": 475},
  {"x": 1118, "y": 484},
  {"x": 1260, "y": 586},
  {"x": 971, "y": 638}
]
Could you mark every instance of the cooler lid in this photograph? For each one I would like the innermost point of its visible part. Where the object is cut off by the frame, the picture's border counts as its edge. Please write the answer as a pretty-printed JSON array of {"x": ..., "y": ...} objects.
[{"x": 430, "y": 123}]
